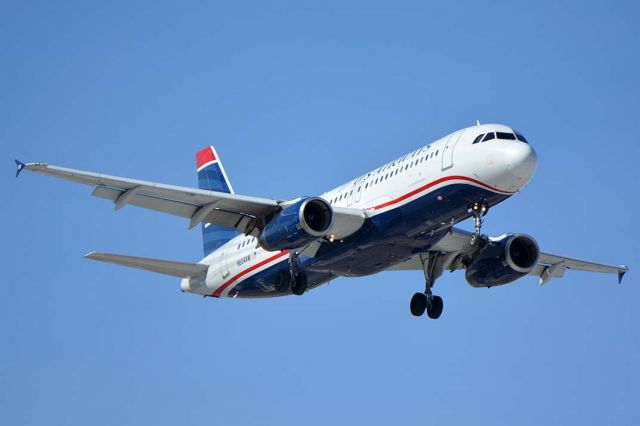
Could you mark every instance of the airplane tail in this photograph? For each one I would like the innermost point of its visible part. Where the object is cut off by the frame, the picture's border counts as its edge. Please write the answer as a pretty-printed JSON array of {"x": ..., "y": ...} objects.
[{"x": 211, "y": 176}]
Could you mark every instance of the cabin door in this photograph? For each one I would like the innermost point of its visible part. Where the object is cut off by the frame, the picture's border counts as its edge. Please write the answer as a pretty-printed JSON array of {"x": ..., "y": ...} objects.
[{"x": 447, "y": 151}]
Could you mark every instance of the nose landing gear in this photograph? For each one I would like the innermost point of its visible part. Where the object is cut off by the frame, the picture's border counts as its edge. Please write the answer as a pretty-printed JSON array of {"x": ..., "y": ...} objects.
[
  {"x": 432, "y": 267},
  {"x": 478, "y": 210}
]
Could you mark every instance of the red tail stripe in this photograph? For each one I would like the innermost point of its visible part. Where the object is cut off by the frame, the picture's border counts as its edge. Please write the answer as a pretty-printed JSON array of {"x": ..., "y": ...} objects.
[
  {"x": 434, "y": 183},
  {"x": 205, "y": 156},
  {"x": 220, "y": 289}
]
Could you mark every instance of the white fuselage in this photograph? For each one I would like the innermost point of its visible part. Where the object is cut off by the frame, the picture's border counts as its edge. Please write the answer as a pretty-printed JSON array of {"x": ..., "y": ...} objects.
[{"x": 501, "y": 166}]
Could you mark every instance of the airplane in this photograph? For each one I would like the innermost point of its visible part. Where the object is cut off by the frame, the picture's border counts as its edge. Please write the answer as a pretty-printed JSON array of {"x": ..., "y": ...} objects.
[{"x": 400, "y": 216}]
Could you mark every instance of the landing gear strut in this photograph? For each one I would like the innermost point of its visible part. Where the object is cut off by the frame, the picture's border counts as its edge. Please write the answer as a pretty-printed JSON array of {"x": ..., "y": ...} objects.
[
  {"x": 298, "y": 280},
  {"x": 432, "y": 267},
  {"x": 478, "y": 210}
]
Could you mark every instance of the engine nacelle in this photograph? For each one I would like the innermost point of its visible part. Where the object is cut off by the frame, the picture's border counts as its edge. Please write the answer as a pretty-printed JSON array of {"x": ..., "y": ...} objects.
[
  {"x": 297, "y": 224},
  {"x": 503, "y": 261}
]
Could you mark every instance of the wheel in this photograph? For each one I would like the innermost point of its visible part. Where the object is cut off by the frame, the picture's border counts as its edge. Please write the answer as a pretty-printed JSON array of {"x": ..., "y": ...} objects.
[
  {"x": 299, "y": 284},
  {"x": 418, "y": 304},
  {"x": 434, "y": 310},
  {"x": 478, "y": 240}
]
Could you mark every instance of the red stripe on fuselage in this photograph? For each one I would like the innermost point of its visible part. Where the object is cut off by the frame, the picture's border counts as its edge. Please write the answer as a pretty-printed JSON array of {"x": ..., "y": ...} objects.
[
  {"x": 434, "y": 183},
  {"x": 220, "y": 289}
]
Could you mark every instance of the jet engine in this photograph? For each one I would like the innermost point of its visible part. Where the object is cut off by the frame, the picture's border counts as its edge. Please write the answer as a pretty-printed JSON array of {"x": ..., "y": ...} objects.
[
  {"x": 297, "y": 224},
  {"x": 502, "y": 261}
]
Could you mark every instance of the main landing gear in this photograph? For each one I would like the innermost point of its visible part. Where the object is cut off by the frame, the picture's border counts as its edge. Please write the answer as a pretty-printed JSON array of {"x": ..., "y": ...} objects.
[
  {"x": 432, "y": 267},
  {"x": 298, "y": 281}
]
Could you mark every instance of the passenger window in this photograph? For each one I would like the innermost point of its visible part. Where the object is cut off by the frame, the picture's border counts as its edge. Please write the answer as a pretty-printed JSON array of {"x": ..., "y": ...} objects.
[
  {"x": 521, "y": 138},
  {"x": 507, "y": 136},
  {"x": 477, "y": 139},
  {"x": 489, "y": 136}
]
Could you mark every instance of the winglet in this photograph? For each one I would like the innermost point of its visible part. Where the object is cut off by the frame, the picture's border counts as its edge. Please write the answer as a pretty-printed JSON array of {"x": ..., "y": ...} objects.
[
  {"x": 621, "y": 274},
  {"x": 19, "y": 166}
]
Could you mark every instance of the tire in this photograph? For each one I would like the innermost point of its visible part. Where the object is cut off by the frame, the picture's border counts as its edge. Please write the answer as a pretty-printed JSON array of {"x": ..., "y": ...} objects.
[
  {"x": 435, "y": 309},
  {"x": 299, "y": 284},
  {"x": 418, "y": 304},
  {"x": 478, "y": 241}
]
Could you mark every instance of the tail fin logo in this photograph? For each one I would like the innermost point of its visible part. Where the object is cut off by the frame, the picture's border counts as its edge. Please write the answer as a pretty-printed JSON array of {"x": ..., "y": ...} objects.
[
  {"x": 205, "y": 157},
  {"x": 211, "y": 173}
]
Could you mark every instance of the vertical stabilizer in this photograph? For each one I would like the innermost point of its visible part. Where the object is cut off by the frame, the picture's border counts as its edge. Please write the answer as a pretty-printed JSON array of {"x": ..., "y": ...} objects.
[{"x": 211, "y": 176}]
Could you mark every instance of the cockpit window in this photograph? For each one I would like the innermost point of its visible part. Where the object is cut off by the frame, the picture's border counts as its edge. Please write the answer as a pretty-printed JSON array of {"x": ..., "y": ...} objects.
[
  {"x": 476, "y": 140},
  {"x": 508, "y": 136},
  {"x": 521, "y": 138},
  {"x": 489, "y": 136}
]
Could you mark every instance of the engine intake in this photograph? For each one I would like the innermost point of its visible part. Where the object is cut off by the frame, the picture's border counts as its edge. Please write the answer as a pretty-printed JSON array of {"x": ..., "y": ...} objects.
[
  {"x": 297, "y": 224},
  {"x": 503, "y": 261}
]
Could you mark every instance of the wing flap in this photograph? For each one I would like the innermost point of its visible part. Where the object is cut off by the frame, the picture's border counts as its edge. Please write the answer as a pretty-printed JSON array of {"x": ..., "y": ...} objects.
[
  {"x": 165, "y": 267},
  {"x": 163, "y": 205}
]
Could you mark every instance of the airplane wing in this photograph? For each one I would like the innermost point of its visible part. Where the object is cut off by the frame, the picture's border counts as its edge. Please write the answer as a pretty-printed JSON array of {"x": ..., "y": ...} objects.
[
  {"x": 243, "y": 213},
  {"x": 549, "y": 265}
]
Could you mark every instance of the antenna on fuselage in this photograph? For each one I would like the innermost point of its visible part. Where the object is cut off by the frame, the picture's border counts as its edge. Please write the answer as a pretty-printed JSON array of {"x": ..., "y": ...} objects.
[{"x": 477, "y": 122}]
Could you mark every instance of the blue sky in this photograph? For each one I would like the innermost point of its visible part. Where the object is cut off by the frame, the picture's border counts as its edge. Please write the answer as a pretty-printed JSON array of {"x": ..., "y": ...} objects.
[{"x": 297, "y": 99}]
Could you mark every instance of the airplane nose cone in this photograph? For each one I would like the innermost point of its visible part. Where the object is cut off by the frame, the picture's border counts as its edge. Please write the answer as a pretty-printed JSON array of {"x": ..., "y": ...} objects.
[{"x": 521, "y": 160}]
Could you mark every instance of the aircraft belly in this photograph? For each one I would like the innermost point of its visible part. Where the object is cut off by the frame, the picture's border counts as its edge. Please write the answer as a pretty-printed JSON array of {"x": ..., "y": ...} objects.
[
  {"x": 384, "y": 240},
  {"x": 395, "y": 235}
]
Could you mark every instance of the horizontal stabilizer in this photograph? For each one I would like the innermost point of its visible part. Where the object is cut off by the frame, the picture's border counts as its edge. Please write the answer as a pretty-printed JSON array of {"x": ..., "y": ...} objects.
[{"x": 166, "y": 267}]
